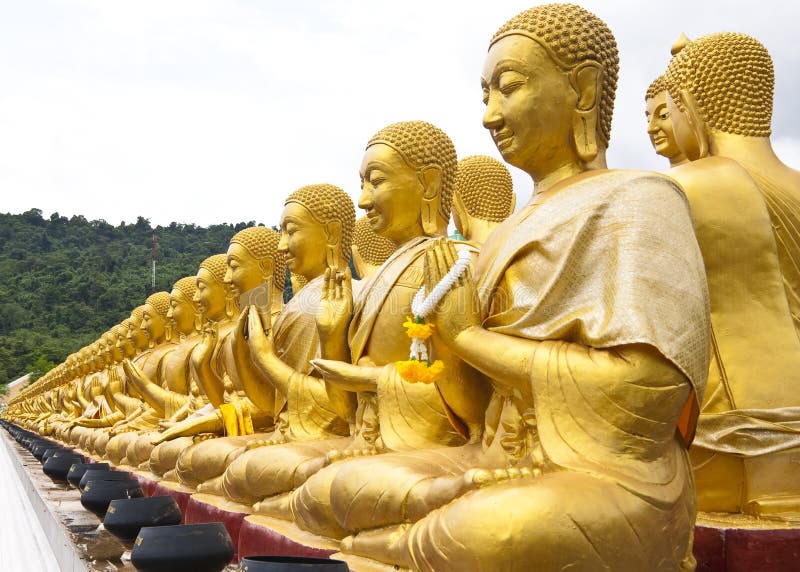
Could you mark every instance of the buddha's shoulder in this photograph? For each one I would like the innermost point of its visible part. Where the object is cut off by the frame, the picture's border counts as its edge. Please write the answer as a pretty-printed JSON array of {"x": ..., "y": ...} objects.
[{"x": 628, "y": 185}]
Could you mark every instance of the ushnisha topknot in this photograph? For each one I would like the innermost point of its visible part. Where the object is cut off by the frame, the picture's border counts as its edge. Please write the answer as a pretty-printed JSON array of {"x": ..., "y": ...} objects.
[
  {"x": 658, "y": 85},
  {"x": 572, "y": 35},
  {"x": 485, "y": 187},
  {"x": 217, "y": 265},
  {"x": 328, "y": 203},
  {"x": 262, "y": 242},
  {"x": 732, "y": 79},
  {"x": 159, "y": 301},
  {"x": 136, "y": 315},
  {"x": 187, "y": 286},
  {"x": 422, "y": 144},
  {"x": 372, "y": 247}
]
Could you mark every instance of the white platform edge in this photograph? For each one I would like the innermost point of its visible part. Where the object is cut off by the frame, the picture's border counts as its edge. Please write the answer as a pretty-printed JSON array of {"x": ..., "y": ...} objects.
[{"x": 58, "y": 537}]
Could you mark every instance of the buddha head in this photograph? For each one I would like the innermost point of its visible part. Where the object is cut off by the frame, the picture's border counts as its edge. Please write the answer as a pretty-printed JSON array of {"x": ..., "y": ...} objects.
[
  {"x": 154, "y": 317},
  {"x": 136, "y": 334},
  {"x": 549, "y": 84},
  {"x": 113, "y": 349},
  {"x": 123, "y": 343},
  {"x": 484, "y": 191},
  {"x": 181, "y": 313},
  {"x": 659, "y": 123},
  {"x": 253, "y": 259},
  {"x": 720, "y": 83},
  {"x": 211, "y": 297},
  {"x": 370, "y": 249},
  {"x": 317, "y": 230},
  {"x": 407, "y": 177}
]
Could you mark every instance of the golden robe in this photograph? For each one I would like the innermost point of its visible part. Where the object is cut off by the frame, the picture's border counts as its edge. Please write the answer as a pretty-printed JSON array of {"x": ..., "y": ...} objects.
[
  {"x": 306, "y": 415},
  {"x": 605, "y": 274}
]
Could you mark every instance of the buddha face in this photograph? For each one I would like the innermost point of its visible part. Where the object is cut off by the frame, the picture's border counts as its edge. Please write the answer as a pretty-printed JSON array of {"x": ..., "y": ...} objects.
[
  {"x": 391, "y": 193},
  {"x": 136, "y": 334},
  {"x": 210, "y": 295},
  {"x": 529, "y": 106},
  {"x": 181, "y": 312},
  {"x": 114, "y": 352},
  {"x": 303, "y": 241},
  {"x": 659, "y": 126},
  {"x": 152, "y": 323},
  {"x": 686, "y": 136},
  {"x": 245, "y": 272}
]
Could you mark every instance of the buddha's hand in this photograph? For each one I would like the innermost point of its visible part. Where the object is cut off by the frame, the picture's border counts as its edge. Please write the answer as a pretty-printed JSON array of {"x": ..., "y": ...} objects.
[
  {"x": 133, "y": 373},
  {"x": 347, "y": 376},
  {"x": 459, "y": 308},
  {"x": 201, "y": 355},
  {"x": 259, "y": 341},
  {"x": 336, "y": 304}
]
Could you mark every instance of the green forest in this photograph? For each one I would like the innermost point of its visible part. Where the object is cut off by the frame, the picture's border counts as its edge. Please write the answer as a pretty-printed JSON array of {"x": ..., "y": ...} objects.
[{"x": 64, "y": 281}]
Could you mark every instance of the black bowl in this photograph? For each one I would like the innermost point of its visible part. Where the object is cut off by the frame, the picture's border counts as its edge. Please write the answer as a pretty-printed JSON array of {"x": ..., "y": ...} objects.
[
  {"x": 103, "y": 474},
  {"x": 291, "y": 564},
  {"x": 78, "y": 469},
  {"x": 126, "y": 517},
  {"x": 57, "y": 466},
  {"x": 203, "y": 547},
  {"x": 97, "y": 495},
  {"x": 55, "y": 450},
  {"x": 39, "y": 450}
]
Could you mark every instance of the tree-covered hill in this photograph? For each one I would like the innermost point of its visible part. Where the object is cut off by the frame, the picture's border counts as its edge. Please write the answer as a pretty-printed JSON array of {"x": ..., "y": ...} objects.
[{"x": 64, "y": 281}]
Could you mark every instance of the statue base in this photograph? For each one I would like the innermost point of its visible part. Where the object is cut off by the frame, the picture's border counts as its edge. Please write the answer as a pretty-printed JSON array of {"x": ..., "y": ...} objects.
[
  {"x": 209, "y": 508},
  {"x": 359, "y": 564},
  {"x": 177, "y": 491},
  {"x": 740, "y": 543},
  {"x": 266, "y": 535},
  {"x": 147, "y": 481}
]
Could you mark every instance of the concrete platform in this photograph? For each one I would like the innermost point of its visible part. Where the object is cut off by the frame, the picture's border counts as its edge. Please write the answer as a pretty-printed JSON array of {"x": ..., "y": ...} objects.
[{"x": 69, "y": 538}]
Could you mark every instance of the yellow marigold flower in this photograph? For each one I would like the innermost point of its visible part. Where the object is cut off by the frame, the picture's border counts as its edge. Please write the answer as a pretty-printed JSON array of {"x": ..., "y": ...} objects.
[
  {"x": 416, "y": 371},
  {"x": 415, "y": 329}
]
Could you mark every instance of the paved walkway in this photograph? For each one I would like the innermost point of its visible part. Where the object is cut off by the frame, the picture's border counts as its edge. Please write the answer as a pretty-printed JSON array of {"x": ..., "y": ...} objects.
[{"x": 23, "y": 545}]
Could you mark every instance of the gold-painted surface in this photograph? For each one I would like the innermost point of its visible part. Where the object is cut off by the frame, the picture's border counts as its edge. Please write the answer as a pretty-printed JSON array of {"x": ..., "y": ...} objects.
[
  {"x": 483, "y": 197},
  {"x": 659, "y": 123},
  {"x": 746, "y": 206},
  {"x": 370, "y": 249}
]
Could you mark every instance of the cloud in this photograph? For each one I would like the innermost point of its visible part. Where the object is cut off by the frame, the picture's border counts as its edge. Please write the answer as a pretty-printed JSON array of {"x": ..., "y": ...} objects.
[{"x": 214, "y": 111}]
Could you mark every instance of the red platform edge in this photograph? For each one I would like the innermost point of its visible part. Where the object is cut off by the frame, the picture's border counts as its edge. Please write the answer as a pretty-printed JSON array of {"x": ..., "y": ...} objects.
[
  {"x": 198, "y": 512},
  {"x": 255, "y": 539},
  {"x": 181, "y": 498},
  {"x": 746, "y": 550}
]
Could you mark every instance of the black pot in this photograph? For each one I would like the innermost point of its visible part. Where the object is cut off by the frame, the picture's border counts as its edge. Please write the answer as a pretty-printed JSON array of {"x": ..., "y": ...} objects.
[
  {"x": 291, "y": 564},
  {"x": 77, "y": 470},
  {"x": 58, "y": 465},
  {"x": 50, "y": 451},
  {"x": 126, "y": 517},
  {"x": 103, "y": 474},
  {"x": 203, "y": 547},
  {"x": 98, "y": 494},
  {"x": 39, "y": 450}
]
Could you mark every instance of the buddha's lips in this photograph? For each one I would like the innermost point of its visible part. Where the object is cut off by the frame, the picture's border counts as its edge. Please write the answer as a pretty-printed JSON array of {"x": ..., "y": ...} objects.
[{"x": 502, "y": 139}]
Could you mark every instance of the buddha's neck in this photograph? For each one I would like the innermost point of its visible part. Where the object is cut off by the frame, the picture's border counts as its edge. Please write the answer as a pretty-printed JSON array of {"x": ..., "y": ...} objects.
[
  {"x": 479, "y": 230},
  {"x": 755, "y": 151},
  {"x": 554, "y": 177}
]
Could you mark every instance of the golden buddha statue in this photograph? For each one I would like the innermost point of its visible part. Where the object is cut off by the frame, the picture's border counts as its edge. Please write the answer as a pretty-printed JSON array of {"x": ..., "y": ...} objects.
[
  {"x": 589, "y": 318},
  {"x": 120, "y": 448},
  {"x": 215, "y": 307},
  {"x": 659, "y": 124},
  {"x": 408, "y": 173},
  {"x": 746, "y": 207},
  {"x": 168, "y": 394},
  {"x": 311, "y": 418},
  {"x": 370, "y": 249},
  {"x": 255, "y": 275},
  {"x": 483, "y": 198}
]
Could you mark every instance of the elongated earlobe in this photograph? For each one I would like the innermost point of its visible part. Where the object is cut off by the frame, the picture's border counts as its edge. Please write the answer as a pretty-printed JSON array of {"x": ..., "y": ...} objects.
[
  {"x": 431, "y": 180},
  {"x": 586, "y": 81},
  {"x": 696, "y": 123}
]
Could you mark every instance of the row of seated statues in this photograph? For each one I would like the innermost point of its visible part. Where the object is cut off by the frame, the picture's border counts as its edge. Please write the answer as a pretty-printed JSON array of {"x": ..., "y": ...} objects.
[{"x": 563, "y": 386}]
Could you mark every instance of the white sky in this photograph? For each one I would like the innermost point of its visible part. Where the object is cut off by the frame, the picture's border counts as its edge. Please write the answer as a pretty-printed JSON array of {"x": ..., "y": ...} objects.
[{"x": 205, "y": 111}]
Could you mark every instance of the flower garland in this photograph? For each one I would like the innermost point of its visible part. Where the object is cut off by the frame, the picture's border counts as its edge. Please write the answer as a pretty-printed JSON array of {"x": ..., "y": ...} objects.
[{"x": 418, "y": 368}]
